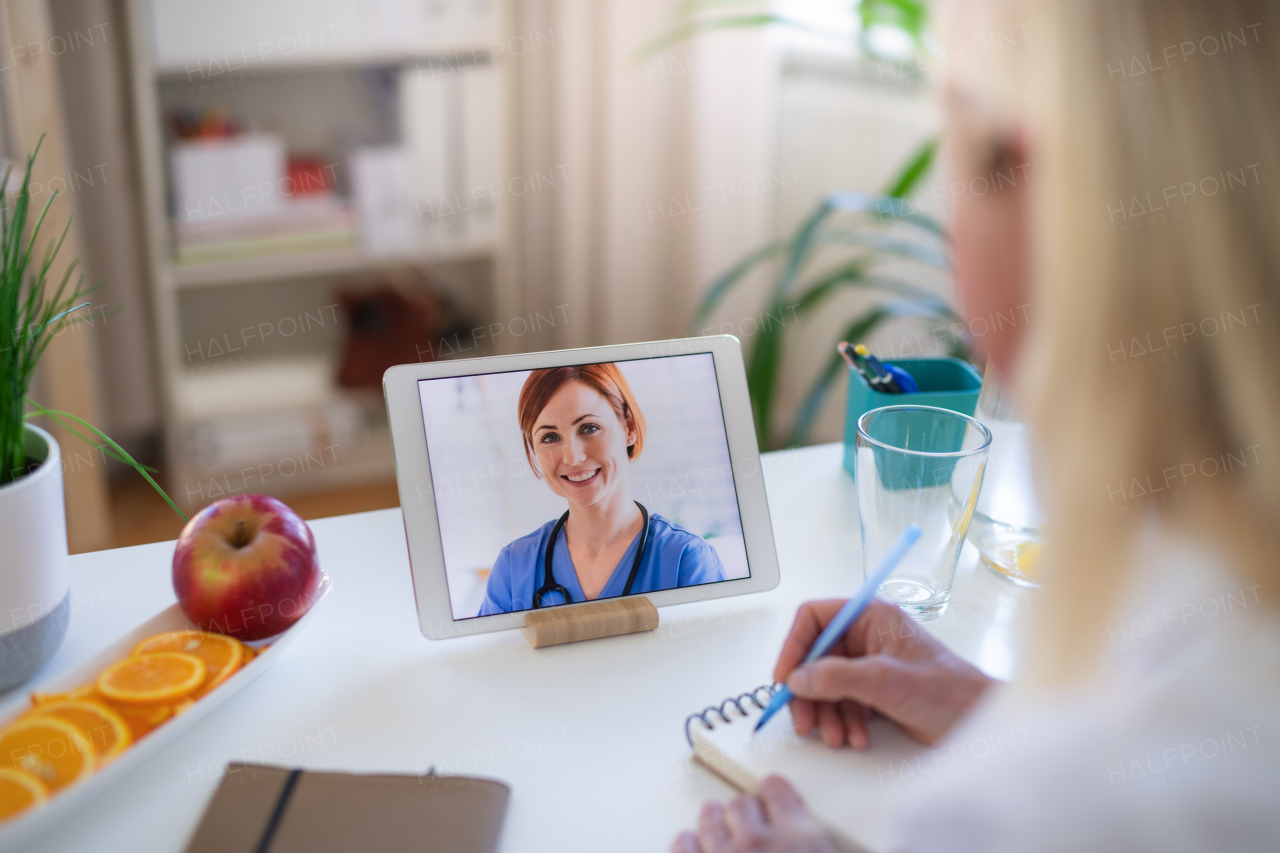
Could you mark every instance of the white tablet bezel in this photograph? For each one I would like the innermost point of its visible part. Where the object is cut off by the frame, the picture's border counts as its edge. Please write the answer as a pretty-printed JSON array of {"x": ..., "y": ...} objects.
[{"x": 417, "y": 498}]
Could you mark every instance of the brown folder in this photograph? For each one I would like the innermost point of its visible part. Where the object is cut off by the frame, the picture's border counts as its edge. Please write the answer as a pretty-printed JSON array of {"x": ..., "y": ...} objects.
[{"x": 263, "y": 809}]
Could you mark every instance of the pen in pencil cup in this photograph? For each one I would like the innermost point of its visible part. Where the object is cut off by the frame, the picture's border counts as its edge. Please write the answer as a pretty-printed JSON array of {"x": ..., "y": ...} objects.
[
  {"x": 883, "y": 379},
  {"x": 848, "y": 614}
]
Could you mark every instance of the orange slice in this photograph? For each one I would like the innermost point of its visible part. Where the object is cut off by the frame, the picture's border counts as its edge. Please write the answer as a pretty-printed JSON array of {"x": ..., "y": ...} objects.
[
  {"x": 142, "y": 719},
  {"x": 159, "y": 677},
  {"x": 222, "y": 655},
  {"x": 107, "y": 732},
  {"x": 50, "y": 749},
  {"x": 19, "y": 791},
  {"x": 85, "y": 692}
]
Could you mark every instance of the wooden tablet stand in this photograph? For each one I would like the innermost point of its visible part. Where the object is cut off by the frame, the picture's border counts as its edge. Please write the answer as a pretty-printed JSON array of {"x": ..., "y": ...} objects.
[{"x": 607, "y": 618}]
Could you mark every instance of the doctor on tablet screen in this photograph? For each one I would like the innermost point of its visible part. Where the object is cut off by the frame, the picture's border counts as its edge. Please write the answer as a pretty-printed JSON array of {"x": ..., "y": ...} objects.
[{"x": 582, "y": 429}]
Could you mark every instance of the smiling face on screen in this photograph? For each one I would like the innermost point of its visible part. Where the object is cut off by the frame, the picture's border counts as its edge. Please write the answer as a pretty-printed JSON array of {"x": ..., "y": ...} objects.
[{"x": 581, "y": 444}]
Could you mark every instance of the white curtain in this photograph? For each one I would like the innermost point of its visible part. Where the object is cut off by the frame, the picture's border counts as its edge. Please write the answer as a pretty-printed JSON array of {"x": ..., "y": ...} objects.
[{"x": 661, "y": 155}]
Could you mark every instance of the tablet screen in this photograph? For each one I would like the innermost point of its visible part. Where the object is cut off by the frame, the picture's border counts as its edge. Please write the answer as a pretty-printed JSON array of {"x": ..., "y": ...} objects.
[{"x": 632, "y": 455}]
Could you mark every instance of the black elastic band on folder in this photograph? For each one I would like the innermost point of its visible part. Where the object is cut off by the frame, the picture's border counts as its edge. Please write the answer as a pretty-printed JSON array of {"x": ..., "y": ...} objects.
[{"x": 282, "y": 803}]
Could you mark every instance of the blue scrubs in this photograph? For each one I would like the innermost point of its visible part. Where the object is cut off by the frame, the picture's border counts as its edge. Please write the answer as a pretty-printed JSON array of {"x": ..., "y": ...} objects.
[{"x": 673, "y": 557}]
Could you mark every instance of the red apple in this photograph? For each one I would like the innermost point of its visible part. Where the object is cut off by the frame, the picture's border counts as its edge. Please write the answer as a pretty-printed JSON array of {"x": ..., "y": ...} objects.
[{"x": 246, "y": 566}]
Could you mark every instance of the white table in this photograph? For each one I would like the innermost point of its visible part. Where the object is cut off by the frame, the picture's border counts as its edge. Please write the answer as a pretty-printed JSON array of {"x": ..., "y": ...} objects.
[{"x": 589, "y": 736}]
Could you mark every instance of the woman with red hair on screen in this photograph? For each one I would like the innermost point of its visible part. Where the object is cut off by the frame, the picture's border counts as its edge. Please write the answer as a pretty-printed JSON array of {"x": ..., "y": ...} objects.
[{"x": 582, "y": 430}]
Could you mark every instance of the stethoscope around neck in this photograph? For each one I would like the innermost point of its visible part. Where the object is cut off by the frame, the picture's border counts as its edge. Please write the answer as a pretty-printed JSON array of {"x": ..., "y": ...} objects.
[{"x": 549, "y": 584}]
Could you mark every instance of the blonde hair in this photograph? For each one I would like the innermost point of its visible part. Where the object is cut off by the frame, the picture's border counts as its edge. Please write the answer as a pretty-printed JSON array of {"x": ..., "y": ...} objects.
[{"x": 1121, "y": 100}]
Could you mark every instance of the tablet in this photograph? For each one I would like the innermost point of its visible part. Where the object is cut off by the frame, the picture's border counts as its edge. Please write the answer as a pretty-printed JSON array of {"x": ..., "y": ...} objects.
[{"x": 554, "y": 478}]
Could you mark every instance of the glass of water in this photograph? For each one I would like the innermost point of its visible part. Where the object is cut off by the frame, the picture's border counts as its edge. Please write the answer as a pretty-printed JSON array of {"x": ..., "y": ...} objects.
[{"x": 918, "y": 465}]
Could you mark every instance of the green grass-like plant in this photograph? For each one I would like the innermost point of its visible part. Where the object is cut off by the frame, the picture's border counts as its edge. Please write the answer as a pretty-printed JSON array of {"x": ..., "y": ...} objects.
[
  {"x": 800, "y": 292},
  {"x": 32, "y": 313},
  {"x": 853, "y": 223}
]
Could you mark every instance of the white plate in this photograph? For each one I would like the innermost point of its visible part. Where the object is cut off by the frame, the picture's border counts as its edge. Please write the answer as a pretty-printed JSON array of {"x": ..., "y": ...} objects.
[{"x": 16, "y": 833}]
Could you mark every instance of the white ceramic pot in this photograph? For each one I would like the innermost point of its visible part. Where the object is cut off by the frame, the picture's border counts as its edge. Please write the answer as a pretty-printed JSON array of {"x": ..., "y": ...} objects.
[{"x": 35, "y": 582}]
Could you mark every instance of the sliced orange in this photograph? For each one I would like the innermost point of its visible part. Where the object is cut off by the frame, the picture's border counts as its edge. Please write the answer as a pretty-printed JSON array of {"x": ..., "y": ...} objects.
[
  {"x": 222, "y": 655},
  {"x": 50, "y": 749},
  {"x": 107, "y": 732},
  {"x": 152, "y": 678},
  {"x": 85, "y": 692},
  {"x": 19, "y": 791},
  {"x": 142, "y": 719}
]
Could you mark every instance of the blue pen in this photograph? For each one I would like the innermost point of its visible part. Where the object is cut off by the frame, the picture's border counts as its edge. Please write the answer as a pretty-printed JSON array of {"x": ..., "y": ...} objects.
[
  {"x": 902, "y": 378},
  {"x": 848, "y": 614},
  {"x": 885, "y": 377}
]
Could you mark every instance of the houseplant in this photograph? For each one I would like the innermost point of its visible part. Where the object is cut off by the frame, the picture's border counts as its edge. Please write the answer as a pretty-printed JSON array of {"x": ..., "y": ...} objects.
[
  {"x": 34, "y": 581},
  {"x": 861, "y": 232}
]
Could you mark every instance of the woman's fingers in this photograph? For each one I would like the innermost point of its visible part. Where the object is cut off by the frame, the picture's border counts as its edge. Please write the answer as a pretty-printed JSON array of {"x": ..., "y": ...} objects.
[
  {"x": 804, "y": 714},
  {"x": 855, "y": 728},
  {"x": 830, "y": 724},
  {"x": 926, "y": 698},
  {"x": 885, "y": 663},
  {"x": 746, "y": 823},
  {"x": 686, "y": 842},
  {"x": 876, "y": 681},
  {"x": 781, "y": 802},
  {"x": 713, "y": 832}
]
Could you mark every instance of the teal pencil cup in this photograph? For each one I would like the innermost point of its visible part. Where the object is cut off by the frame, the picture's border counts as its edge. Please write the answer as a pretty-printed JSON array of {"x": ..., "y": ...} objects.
[{"x": 947, "y": 383}]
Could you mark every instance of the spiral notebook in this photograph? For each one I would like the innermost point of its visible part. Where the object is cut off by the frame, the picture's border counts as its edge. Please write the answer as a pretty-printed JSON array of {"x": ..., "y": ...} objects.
[{"x": 845, "y": 789}]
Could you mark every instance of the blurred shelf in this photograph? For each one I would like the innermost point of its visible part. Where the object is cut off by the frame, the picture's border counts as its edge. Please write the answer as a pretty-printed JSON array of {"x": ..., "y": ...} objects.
[
  {"x": 324, "y": 77},
  {"x": 279, "y": 425},
  {"x": 266, "y": 384},
  {"x": 320, "y": 263},
  {"x": 346, "y": 465}
]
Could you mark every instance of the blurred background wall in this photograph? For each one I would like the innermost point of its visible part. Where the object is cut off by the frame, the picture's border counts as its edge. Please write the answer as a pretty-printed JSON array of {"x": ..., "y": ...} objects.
[{"x": 281, "y": 197}]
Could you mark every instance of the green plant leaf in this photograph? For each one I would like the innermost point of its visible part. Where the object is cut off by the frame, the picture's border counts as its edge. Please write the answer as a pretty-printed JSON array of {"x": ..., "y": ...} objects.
[
  {"x": 30, "y": 316},
  {"x": 60, "y": 417},
  {"x": 914, "y": 170},
  {"x": 880, "y": 244},
  {"x": 57, "y": 317},
  {"x": 722, "y": 285},
  {"x": 106, "y": 449},
  {"x": 877, "y": 243},
  {"x": 762, "y": 372},
  {"x": 886, "y": 208},
  {"x": 854, "y": 275},
  {"x": 908, "y": 15},
  {"x": 856, "y": 331},
  {"x": 764, "y": 361},
  {"x": 802, "y": 248},
  {"x": 765, "y": 355}
]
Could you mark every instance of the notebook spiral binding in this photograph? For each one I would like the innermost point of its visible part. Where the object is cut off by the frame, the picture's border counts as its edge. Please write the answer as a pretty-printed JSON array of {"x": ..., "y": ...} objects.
[{"x": 707, "y": 715}]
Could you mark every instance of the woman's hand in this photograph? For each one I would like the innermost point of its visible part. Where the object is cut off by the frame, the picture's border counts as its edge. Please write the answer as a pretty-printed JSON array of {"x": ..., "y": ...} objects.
[
  {"x": 886, "y": 663},
  {"x": 775, "y": 822}
]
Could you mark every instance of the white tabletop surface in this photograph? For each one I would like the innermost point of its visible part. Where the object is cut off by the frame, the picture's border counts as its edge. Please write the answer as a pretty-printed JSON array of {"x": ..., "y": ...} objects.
[{"x": 589, "y": 736}]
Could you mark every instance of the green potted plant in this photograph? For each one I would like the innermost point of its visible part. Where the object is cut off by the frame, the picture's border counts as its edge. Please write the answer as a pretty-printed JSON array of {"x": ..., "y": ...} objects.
[
  {"x": 861, "y": 232},
  {"x": 34, "y": 579}
]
